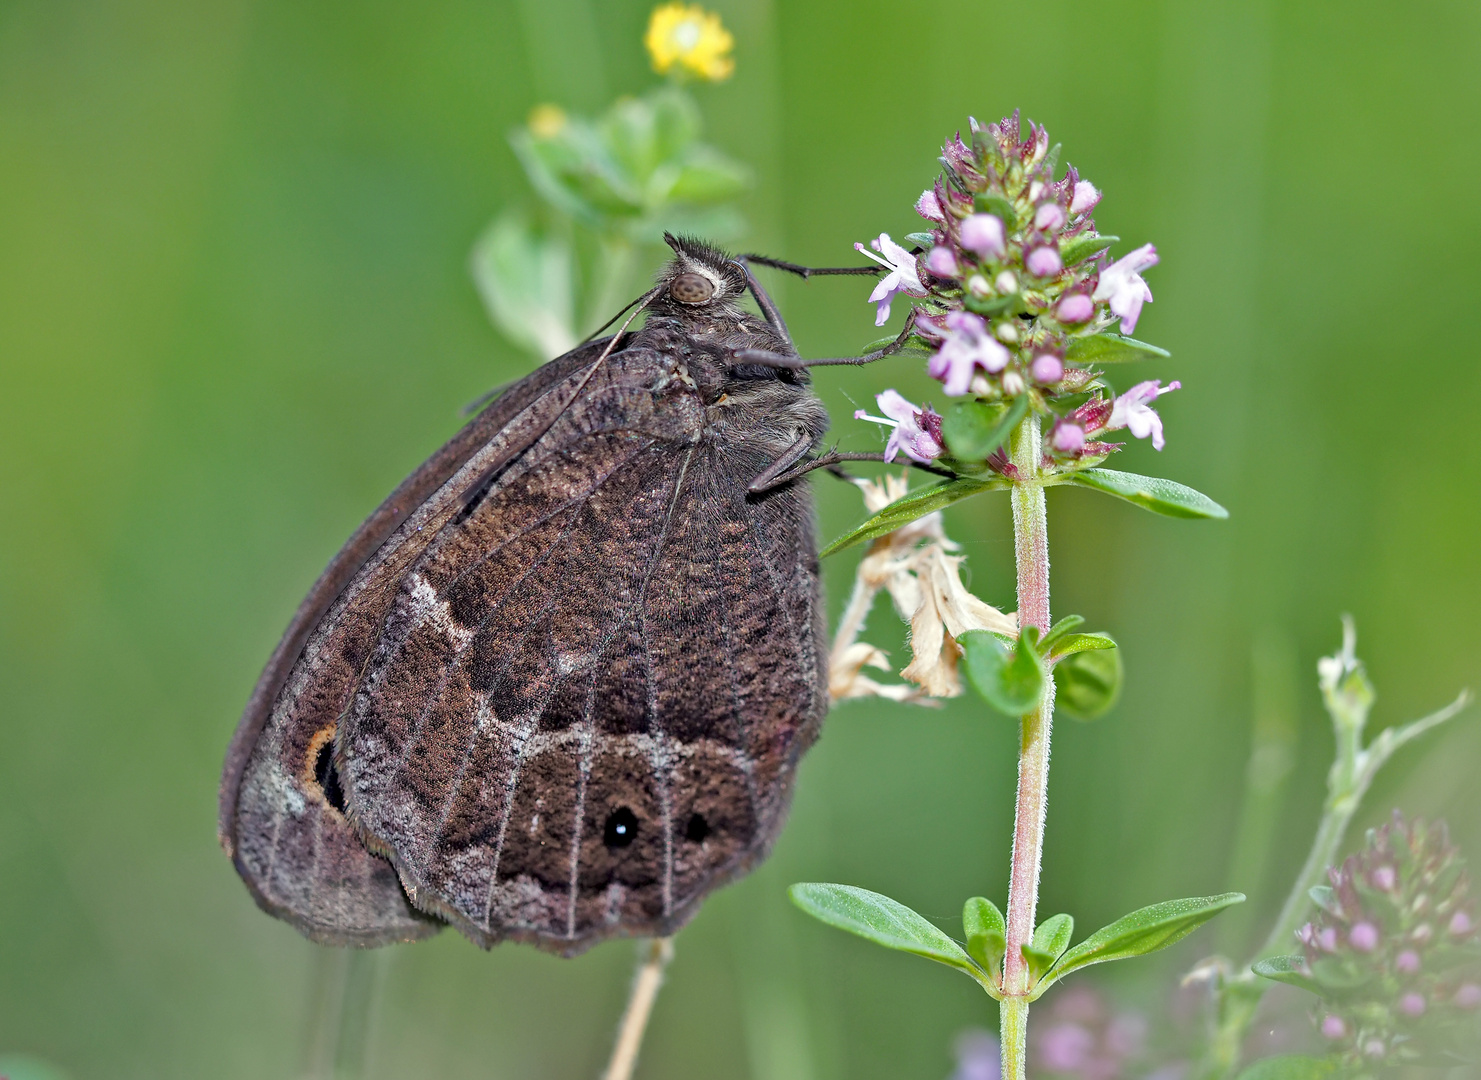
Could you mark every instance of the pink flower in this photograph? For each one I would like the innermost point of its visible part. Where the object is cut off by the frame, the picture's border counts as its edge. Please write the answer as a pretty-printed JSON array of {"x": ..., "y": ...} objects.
[
  {"x": 1363, "y": 937},
  {"x": 1412, "y": 1004},
  {"x": 983, "y": 233},
  {"x": 942, "y": 262},
  {"x": 1121, "y": 283},
  {"x": 902, "y": 276},
  {"x": 916, "y": 431},
  {"x": 1334, "y": 1027},
  {"x": 966, "y": 346},
  {"x": 1074, "y": 308},
  {"x": 1460, "y": 924},
  {"x": 1043, "y": 262},
  {"x": 1067, "y": 437},
  {"x": 1133, "y": 411},
  {"x": 929, "y": 207},
  {"x": 1407, "y": 962},
  {"x": 1047, "y": 368},
  {"x": 1084, "y": 198},
  {"x": 1048, "y": 217}
]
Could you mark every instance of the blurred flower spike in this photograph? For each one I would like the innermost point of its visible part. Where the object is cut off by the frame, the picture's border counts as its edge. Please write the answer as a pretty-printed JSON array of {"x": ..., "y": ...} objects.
[
  {"x": 1394, "y": 951},
  {"x": 1015, "y": 293},
  {"x": 687, "y": 39}
]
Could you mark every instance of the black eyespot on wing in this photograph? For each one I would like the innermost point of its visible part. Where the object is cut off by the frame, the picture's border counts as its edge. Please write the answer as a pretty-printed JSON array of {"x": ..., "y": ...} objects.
[
  {"x": 696, "y": 829},
  {"x": 621, "y": 828},
  {"x": 328, "y": 776},
  {"x": 691, "y": 288}
]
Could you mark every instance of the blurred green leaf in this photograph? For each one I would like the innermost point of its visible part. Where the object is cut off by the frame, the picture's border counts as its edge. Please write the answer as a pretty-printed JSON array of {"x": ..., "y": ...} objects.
[
  {"x": 705, "y": 177},
  {"x": 1087, "y": 683},
  {"x": 987, "y": 933},
  {"x": 920, "y": 239},
  {"x": 883, "y": 921},
  {"x": 1325, "y": 898},
  {"x": 1084, "y": 246},
  {"x": 917, "y": 504},
  {"x": 525, "y": 278},
  {"x": 1286, "y": 969},
  {"x": 27, "y": 1067},
  {"x": 1143, "y": 931},
  {"x": 1109, "y": 348},
  {"x": 996, "y": 204},
  {"x": 1011, "y": 682},
  {"x": 1290, "y": 1067},
  {"x": 974, "y": 429},
  {"x": 1149, "y": 492}
]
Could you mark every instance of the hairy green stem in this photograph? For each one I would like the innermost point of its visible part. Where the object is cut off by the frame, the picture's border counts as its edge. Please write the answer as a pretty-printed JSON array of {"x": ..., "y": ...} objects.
[{"x": 1031, "y": 551}]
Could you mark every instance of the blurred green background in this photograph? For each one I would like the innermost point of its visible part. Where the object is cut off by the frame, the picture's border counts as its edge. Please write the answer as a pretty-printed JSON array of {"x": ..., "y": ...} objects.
[{"x": 235, "y": 311}]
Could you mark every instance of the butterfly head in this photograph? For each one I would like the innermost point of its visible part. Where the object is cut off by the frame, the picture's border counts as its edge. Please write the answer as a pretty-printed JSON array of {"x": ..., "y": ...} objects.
[{"x": 701, "y": 281}]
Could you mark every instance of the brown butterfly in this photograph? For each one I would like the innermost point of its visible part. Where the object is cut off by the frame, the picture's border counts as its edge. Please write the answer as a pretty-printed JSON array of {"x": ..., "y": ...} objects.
[{"x": 555, "y": 689}]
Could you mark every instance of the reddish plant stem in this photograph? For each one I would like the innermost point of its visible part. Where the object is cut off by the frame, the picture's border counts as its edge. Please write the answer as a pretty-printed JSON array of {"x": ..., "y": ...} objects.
[{"x": 1031, "y": 549}]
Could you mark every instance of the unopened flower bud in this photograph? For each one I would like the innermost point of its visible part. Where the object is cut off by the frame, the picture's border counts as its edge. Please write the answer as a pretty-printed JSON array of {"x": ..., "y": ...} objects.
[
  {"x": 1326, "y": 939},
  {"x": 1468, "y": 996},
  {"x": 1043, "y": 262},
  {"x": 1422, "y": 934},
  {"x": 1075, "y": 308},
  {"x": 1035, "y": 190},
  {"x": 1007, "y": 330},
  {"x": 1363, "y": 937},
  {"x": 1374, "y": 1048},
  {"x": 1067, "y": 437},
  {"x": 977, "y": 285},
  {"x": 1407, "y": 962},
  {"x": 1084, "y": 198},
  {"x": 1049, "y": 217},
  {"x": 929, "y": 207},
  {"x": 983, "y": 233},
  {"x": 1412, "y": 1004},
  {"x": 1006, "y": 282},
  {"x": 1383, "y": 878},
  {"x": 1047, "y": 368},
  {"x": 1334, "y": 1027},
  {"x": 1012, "y": 384},
  {"x": 979, "y": 385},
  {"x": 942, "y": 262},
  {"x": 1460, "y": 924}
]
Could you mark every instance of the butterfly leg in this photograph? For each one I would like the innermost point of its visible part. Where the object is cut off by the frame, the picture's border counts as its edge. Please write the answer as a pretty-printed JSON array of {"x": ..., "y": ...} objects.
[
  {"x": 780, "y": 360},
  {"x": 831, "y": 462}
]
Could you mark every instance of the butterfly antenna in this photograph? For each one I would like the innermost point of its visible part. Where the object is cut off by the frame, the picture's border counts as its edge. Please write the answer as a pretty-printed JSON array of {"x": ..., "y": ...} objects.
[{"x": 645, "y": 300}]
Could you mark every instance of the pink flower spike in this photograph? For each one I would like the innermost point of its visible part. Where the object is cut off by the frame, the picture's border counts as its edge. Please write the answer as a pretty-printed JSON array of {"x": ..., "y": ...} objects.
[
  {"x": 929, "y": 207},
  {"x": 1047, "y": 368},
  {"x": 1133, "y": 411},
  {"x": 942, "y": 262},
  {"x": 966, "y": 346},
  {"x": 1084, "y": 198},
  {"x": 1121, "y": 283},
  {"x": 916, "y": 431},
  {"x": 983, "y": 233},
  {"x": 1363, "y": 937},
  {"x": 1075, "y": 308},
  {"x": 1049, "y": 217},
  {"x": 1067, "y": 437},
  {"x": 902, "y": 276}
]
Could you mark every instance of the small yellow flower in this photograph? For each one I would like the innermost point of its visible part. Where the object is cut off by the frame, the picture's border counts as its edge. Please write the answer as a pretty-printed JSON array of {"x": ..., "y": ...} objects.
[
  {"x": 547, "y": 121},
  {"x": 691, "y": 37}
]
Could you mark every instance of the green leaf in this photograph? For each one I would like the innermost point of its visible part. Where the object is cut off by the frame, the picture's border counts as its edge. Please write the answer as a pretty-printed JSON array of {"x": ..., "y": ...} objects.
[
  {"x": 706, "y": 177},
  {"x": 1286, "y": 969},
  {"x": 922, "y": 239},
  {"x": 1051, "y": 938},
  {"x": 996, "y": 204},
  {"x": 974, "y": 429},
  {"x": 1149, "y": 492},
  {"x": 1084, "y": 246},
  {"x": 917, "y": 504},
  {"x": 913, "y": 343},
  {"x": 1088, "y": 682},
  {"x": 1069, "y": 644},
  {"x": 993, "y": 305},
  {"x": 881, "y": 920},
  {"x": 1290, "y": 1067},
  {"x": 1059, "y": 630},
  {"x": 1011, "y": 683},
  {"x": 1143, "y": 931},
  {"x": 1109, "y": 348},
  {"x": 525, "y": 277},
  {"x": 1324, "y": 897},
  {"x": 987, "y": 933}
]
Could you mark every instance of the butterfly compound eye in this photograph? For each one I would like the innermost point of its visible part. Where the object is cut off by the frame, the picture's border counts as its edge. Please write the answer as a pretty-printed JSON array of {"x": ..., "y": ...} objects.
[{"x": 691, "y": 288}]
